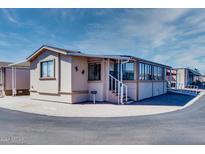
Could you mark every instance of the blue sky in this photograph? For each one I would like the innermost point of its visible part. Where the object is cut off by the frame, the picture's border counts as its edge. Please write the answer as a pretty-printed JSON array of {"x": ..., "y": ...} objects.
[{"x": 174, "y": 37}]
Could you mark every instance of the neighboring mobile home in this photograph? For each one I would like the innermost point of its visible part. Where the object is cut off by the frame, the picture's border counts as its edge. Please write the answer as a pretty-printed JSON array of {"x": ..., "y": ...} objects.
[
  {"x": 70, "y": 76},
  {"x": 186, "y": 76},
  {"x": 14, "y": 79}
]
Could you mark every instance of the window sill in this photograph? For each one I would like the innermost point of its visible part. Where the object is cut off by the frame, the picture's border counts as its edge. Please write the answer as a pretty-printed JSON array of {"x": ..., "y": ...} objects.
[
  {"x": 94, "y": 81},
  {"x": 47, "y": 78}
]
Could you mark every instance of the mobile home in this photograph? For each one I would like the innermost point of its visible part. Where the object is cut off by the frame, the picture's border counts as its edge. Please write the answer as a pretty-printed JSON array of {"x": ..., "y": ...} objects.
[
  {"x": 14, "y": 79},
  {"x": 71, "y": 76},
  {"x": 186, "y": 76}
]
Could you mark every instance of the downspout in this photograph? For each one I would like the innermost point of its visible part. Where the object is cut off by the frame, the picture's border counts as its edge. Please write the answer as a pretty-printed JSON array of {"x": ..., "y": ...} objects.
[{"x": 121, "y": 78}]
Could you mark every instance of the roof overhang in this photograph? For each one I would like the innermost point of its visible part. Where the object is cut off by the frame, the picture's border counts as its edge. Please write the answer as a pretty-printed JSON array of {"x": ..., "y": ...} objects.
[
  {"x": 4, "y": 64},
  {"x": 21, "y": 64},
  {"x": 43, "y": 48},
  {"x": 99, "y": 56},
  {"x": 80, "y": 54},
  {"x": 72, "y": 53}
]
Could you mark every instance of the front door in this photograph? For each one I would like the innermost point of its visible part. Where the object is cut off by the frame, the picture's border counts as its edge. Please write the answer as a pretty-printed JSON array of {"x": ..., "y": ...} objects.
[{"x": 114, "y": 71}]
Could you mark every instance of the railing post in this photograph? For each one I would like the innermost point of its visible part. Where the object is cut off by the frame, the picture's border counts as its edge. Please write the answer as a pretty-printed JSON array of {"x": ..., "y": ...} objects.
[
  {"x": 119, "y": 88},
  {"x": 122, "y": 93},
  {"x": 126, "y": 93},
  {"x": 111, "y": 84},
  {"x": 118, "y": 92}
]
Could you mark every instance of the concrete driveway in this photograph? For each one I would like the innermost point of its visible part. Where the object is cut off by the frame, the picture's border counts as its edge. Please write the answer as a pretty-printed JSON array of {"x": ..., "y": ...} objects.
[
  {"x": 186, "y": 126},
  {"x": 156, "y": 105}
]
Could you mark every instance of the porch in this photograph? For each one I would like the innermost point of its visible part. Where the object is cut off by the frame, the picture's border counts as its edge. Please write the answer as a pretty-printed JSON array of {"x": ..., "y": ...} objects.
[
  {"x": 109, "y": 78},
  {"x": 124, "y": 80}
]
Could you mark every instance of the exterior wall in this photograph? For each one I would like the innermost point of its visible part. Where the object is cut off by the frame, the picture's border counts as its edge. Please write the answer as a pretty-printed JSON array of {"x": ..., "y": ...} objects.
[
  {"x": 79, "y": 79},
  {"x": 181, "y": 78},
  {"x": 44, "y": 86},
  {"x": 58, "y": 89},
  {"x": 132, "y": 89},
  {"x": 96, "y": 86},
  {"x": 65, "y": 74}
]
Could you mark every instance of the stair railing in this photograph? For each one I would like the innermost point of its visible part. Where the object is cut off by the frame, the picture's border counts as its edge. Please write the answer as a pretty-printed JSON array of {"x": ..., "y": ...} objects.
[{"x": 119, "y": 88}]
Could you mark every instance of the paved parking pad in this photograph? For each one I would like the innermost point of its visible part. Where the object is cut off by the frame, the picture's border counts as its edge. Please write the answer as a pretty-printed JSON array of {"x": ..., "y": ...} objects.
[{"x": 156, "y": 105}]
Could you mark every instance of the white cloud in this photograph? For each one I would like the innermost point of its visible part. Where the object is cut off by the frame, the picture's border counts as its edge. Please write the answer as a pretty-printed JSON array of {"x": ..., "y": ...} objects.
[
  {"x": 174, "y": 37},
  {"x": 9, "y": 15},
  {"x": 131, "y": 29},
  {"x": 161, "y": 35}
]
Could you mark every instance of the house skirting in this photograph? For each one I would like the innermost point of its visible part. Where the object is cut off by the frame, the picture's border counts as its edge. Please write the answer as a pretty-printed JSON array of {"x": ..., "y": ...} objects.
[
  {"x": 62, "y": 97},
  {"x": 19, "y": 92},
  {"x": 149, "y": 89}
]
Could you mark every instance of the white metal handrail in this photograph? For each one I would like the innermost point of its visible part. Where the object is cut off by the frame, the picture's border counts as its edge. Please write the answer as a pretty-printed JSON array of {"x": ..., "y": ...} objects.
[{"x": 118, "y": 88}]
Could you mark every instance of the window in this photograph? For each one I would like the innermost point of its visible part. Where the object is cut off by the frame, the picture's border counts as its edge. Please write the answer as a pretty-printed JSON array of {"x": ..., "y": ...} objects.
[
  {"x": 141, "y": 74},
  {"x": 155, "y": 73},
  {"x": 94, "y": 72},
  {"x": 150, "y": 72},
  {"x": 128, "y": 71},
  {"x": 47, "y": 69},
  {"x": 158, "y": 73},
  {"x": 145, "y": 72}
]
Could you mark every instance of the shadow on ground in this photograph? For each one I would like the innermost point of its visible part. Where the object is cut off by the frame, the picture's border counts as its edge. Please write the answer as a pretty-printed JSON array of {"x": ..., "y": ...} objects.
[{"x": 169, "y": 99}]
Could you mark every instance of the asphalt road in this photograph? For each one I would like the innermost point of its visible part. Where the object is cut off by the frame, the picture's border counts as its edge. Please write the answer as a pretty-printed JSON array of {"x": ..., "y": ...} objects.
[{"x": 186, "y": 126}]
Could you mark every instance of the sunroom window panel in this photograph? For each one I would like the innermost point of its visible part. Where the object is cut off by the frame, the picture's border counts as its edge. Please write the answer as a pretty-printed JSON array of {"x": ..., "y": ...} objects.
[
  {"x": 155, "y": 73},
  {"x": 140, "y": 71},
  {"x": 143, "y": 72},
  {"x": 128, "y": 71}
]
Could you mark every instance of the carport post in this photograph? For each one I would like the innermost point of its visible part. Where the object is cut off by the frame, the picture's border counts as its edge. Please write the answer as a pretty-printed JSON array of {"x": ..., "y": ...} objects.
[{"x": 13, "y": 73}]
